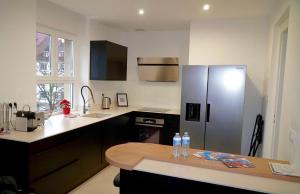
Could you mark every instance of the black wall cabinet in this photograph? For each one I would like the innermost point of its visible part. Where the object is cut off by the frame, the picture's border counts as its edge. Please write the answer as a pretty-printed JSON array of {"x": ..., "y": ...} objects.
[{"x": 108, "y": 61}]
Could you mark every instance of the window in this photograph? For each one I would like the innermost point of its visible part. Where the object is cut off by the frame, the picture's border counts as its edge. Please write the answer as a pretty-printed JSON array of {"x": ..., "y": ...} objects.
[
  {"x": 54, "y": 69},
  {"x": 43, "y": 63}
]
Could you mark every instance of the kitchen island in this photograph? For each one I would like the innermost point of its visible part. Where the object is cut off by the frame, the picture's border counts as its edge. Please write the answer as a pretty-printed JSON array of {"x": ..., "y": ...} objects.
[{"x": 150, "y": 168}]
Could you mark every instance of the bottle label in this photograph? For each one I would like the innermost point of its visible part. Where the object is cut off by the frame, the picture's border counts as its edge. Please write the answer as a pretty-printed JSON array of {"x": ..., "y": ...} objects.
[
  {"x": 176, "y": 142},
  {"x": 185, "y": 141}
]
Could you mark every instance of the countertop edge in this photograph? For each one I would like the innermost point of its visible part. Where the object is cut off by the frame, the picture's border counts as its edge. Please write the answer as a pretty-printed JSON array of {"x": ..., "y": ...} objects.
[
  {"x": 40, "y": 133},
  {"x": 136, "y": 156},
  {"x": 212, "y": 176}
]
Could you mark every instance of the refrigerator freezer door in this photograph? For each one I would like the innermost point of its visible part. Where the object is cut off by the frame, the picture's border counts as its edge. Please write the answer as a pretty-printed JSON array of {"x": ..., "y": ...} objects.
[
  {"x": 226, "y": 85},
  {"x": 193, "y": 102}
]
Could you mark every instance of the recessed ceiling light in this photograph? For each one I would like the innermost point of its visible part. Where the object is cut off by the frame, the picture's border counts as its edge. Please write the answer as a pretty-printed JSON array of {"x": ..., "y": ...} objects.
[
  {"x": 206, "y": 7},
  {"x": 141, "y": 11}
]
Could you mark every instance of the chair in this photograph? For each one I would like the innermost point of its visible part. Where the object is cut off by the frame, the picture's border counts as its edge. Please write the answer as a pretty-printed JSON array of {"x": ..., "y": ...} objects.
[{"x": 117, "y": 180}]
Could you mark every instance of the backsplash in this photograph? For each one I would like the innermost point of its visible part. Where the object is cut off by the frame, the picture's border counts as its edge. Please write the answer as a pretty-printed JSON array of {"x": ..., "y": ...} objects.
[{"x": 140, "y": 93}]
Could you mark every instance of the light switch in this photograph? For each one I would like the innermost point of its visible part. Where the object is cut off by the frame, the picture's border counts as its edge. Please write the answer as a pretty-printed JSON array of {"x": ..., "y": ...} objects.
[{"x": 292, "y": 136}]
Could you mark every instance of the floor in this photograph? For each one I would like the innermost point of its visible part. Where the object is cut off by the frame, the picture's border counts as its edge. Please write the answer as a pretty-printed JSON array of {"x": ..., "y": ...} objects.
[{"x": 101, "y": 183}]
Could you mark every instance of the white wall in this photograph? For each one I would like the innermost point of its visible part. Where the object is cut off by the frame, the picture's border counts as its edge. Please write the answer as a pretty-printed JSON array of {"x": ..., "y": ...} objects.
[
  {"x": 277, "y": 16},
  {"x": 59, "y": 18},
  {"x": 155, "y": 44},
  {"x": 17, "y": 51},
  {"x": 225, "y": 41},
  {"x": 98, "y": 31},
  {"x": 291, "y": 92},
  {"x": 149, "y": 44},
  {"x": 19, "y": 22},
  {"x": 291, "y": 87},
  {"x": 67, "y": 22}
]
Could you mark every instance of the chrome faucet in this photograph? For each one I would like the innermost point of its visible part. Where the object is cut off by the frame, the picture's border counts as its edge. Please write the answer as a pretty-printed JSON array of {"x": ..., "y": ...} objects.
[{"x": 84, "y": 102}]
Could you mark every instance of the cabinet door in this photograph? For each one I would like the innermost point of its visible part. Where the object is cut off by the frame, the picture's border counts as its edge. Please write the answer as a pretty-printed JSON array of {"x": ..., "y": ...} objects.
[
  {"x": 60, "y": 181},
  {"x": 116, "y": 62},
  {"x": 54, "y": 163},
  {"x": 170, "y": 128},
  {"x": 47, "y": 161},
  {"x": 98, "y": 60},
  {"x": 91, "y": 150},
  {"x": 113, "y": 131},
  {"x": 14, "y": 161},
  {"x": 108, "y": 61}
]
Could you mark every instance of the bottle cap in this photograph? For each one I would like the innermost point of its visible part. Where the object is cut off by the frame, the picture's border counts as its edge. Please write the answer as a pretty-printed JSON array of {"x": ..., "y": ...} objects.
[
  {"x": 176, "y": 133},
  {"x": 185, "y": 133}
]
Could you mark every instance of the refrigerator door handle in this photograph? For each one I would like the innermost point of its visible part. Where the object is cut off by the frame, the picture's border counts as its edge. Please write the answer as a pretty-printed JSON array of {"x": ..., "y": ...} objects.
[{"x": 207, "y": 113}]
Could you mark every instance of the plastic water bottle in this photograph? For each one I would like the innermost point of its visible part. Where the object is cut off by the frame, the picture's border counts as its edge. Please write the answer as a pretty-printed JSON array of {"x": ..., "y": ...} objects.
[
  {"x": 176, "y": 145},
  {"x": 185, "y": 144}
]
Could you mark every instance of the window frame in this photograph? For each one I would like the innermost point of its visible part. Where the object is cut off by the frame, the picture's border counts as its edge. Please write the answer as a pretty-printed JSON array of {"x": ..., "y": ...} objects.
[{"x": 54, "y": 78}]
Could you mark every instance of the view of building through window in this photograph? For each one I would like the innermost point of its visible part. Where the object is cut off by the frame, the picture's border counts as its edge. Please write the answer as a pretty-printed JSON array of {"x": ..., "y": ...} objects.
[
  {"x": 65, "y": 57},
  {"x": 43, "y": 58},
  {"x": 52, "y": 86}
]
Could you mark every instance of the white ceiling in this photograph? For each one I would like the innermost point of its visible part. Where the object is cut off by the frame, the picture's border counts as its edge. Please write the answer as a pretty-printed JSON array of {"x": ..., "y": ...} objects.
[{"x": 165, "y": 14}]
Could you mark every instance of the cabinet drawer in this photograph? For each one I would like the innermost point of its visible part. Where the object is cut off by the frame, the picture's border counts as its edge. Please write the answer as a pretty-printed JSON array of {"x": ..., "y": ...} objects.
[
  {"x": 43, "y": 163},
  {"x": 60, "y": 181}
]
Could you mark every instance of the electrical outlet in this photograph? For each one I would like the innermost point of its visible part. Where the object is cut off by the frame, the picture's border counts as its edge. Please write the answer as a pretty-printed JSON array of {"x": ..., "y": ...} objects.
[{"x": 292, "y": 136}]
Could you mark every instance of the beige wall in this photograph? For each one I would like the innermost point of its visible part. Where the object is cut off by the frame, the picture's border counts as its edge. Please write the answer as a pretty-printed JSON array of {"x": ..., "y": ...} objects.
[
  {"x": 290, "y": 119},
  {"x": 229, "y": 41},
  {"x": 276, "y": 19},
  {"x": 291, "y": 89},
  {"x": 98, "y": 31},
  {"x": 17, "y": 51},
  {"x": 68, "y": 23},
  {"x": 147, "y": 44},
  {"x": 155, "y": 44}
]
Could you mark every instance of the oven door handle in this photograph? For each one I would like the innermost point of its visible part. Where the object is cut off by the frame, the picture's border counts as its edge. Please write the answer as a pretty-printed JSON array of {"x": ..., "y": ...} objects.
[
  {"x": 149, "y": 125},
  {"x": 149, "y": 121}
]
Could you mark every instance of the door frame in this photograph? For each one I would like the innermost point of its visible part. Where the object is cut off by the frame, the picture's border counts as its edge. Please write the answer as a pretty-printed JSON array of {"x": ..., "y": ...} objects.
[{"x": 281, "y": 35}]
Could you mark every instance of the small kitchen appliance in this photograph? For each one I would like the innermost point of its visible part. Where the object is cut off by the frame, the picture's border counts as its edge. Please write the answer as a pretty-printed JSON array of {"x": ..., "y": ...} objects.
[
  {"x": 28, "y": 121},
  {"x": 106, "y": 102}
]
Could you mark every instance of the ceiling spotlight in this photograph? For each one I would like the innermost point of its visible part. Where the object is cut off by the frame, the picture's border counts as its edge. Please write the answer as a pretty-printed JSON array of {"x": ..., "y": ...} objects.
[
  {"x": 206, "y": 7},
  {"x": 141, "y": 12}
]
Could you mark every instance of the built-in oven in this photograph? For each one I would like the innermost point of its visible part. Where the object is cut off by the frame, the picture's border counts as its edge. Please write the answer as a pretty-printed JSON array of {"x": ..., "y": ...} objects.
[{"x": 149, "y": 129}]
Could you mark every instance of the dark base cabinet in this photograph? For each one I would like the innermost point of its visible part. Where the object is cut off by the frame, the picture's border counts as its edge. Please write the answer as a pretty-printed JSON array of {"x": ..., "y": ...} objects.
[
  {"x": 60, "y": 163},
  {"x": 136, "y": 182},
  {"x": 172, "y": 124},
  {"x": 54, "y": 164},
  {"x": 114, "y": 131}
]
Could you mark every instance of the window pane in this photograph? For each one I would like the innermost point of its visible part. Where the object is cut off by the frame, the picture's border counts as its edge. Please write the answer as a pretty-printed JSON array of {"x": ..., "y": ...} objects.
[
  {"x": 43, "y": 55},
  {"x": 49, "y": 95},
  {"x": 65, "y": 58}
]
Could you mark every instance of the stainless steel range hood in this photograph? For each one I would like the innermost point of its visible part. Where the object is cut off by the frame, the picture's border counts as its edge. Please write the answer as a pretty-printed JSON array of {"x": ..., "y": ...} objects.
[{"x": 158, "y": 69}]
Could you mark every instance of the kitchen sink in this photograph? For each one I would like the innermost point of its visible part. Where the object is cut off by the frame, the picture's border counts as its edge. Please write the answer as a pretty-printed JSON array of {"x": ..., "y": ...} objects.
[{"x": 96, "y": 115}]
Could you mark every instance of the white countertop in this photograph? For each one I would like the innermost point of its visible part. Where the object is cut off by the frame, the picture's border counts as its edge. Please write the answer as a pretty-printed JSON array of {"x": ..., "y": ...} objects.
[
  {"x": 242, "y": 181},
  {"x": 59, "y": 124}
]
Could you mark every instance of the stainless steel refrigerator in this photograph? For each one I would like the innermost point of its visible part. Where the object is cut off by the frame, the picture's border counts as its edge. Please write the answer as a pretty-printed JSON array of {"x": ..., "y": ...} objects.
[{"x": 212, "y": 101}]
